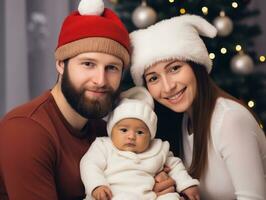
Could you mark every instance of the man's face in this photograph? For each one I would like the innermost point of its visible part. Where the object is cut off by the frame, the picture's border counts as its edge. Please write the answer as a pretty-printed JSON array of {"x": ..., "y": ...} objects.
[{"x": 90, "y": 82}]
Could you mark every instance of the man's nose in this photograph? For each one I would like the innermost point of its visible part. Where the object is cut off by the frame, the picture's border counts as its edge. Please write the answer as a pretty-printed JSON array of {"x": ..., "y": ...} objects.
[{"x": 99, "y": 77}]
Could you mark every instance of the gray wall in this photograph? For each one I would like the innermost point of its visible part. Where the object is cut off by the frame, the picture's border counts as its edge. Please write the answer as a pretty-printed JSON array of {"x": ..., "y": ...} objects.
[
  {"x": 42, "y": 40},
  {"x": 15, "y": 43},
  {"x": 2, "y": 61},
  {"x": 27, "y": 65}
]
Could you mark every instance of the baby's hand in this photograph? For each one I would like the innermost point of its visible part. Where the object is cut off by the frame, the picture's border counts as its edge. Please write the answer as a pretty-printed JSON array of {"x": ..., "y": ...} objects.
[
  {"x": 102, "y": 193},
  {"x": 192, "y": 193}
]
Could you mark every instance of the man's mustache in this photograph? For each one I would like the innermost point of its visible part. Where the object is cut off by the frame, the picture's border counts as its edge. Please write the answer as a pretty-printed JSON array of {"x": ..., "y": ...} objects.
[{"x": 104, "y": 89}]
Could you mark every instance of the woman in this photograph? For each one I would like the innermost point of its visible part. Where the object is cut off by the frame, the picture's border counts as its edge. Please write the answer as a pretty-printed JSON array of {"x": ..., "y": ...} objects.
[{"x": 223, "y": 145}]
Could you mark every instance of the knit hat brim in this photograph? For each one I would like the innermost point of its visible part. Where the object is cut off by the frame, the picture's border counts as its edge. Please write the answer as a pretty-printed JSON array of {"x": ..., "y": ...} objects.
[
  {"x": 93, "y": 44},
  {"x": 130, "y": 108},
  {"x": 136, "y": 103}
]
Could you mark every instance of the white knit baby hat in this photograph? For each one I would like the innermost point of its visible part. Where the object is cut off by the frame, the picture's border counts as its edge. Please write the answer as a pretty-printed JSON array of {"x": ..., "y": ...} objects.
[
  {"x": 175, "y": 38},
  {"x": 135, "y": 103}
]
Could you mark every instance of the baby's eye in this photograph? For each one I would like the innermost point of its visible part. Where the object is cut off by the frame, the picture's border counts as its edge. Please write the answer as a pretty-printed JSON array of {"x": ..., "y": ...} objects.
[
  {"x": 123, "y": 130},
  {"x": 140, "y": 132}
]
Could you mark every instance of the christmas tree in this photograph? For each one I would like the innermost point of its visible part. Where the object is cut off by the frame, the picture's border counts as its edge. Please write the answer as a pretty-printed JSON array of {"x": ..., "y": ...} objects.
[{"x": 232, "y": 51}]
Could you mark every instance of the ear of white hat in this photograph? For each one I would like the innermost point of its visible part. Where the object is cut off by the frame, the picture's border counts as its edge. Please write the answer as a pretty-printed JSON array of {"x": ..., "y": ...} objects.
[
  {"x": 139, "y": 93},
  {"x": 175, "y": 38}
]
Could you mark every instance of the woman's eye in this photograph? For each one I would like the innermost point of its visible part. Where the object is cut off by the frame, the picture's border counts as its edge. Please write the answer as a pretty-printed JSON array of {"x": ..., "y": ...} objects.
[
  {"x": 151, "y": 79},
  {"x": 174, "y": 68}
]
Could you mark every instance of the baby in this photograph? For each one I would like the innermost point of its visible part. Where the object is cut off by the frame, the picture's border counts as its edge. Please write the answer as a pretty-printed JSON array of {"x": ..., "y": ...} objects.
[{"x": 123, "y": 165}]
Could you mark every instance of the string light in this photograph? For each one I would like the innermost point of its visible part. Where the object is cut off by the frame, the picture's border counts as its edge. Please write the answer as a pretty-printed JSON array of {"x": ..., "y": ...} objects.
[
  {"x": 238, "y": 47},
  {"x": 262, "y": 58},
  {"x": 212, "y": 56},
  {"x": 234, "y": 4},
  {"x": 251, "y": 104},
  {"x": 171, "y": 1},
  {"x": 223, "y": 50},
  {"x": 204, "y": 10},
  {"x": 182, "y": 11}
]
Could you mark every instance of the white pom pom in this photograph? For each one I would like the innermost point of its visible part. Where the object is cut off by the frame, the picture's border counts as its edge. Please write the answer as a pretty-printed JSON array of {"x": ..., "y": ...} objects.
[{"x": 91, "y": 7}]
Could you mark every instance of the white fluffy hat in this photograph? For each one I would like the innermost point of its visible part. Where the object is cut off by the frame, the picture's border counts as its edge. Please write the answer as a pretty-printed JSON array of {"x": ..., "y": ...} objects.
[
  {"x": 136, "y": 103},
  {"x": 175, "y": 38}
]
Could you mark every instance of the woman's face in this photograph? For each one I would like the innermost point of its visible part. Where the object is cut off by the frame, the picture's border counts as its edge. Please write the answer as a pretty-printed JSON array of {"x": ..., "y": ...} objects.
[{"x": 172, "y": 83}]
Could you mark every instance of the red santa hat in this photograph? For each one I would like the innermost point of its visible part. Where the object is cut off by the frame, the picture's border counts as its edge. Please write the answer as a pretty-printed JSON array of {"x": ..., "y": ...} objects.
[
  {"x": 175, "y": 38},
  {"x": 93, "y": 28}
]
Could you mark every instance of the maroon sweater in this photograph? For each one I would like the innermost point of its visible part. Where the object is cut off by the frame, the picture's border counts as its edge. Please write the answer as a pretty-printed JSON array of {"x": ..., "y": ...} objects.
[{"x": 40, "y": 152}]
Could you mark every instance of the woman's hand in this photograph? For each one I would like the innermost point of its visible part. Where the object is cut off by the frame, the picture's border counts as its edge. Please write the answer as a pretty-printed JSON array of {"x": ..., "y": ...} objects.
[
  {"x": 163, "y": 183},
  {"x": 192, "y": 193}
]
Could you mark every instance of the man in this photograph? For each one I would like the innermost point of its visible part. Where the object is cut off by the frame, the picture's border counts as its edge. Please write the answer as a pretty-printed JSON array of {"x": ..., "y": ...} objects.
[{"x": 42, "y": 141}]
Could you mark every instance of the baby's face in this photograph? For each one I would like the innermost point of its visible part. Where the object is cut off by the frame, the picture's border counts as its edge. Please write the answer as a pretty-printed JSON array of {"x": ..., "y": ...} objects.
[{"x": 131, "y": 134}]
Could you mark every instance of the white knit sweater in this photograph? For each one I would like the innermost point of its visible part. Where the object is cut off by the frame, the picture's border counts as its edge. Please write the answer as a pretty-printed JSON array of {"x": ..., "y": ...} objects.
[{"x": 236, "y": 155}]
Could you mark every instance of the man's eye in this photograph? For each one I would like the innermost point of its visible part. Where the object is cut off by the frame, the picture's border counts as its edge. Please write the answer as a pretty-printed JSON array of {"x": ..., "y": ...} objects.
[
  {"x": 88, "y": 64},
  {"x": 113, "y": 68}
]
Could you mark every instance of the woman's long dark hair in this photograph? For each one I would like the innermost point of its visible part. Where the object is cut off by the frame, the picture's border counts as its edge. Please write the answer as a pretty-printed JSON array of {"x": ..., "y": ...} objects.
[
  {"x": 202, "y": 110},
  {"x": 207, "y": 92}
]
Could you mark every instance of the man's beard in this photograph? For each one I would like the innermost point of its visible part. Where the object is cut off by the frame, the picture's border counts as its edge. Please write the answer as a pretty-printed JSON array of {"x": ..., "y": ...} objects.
[{"x": 88, "y": 108}]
